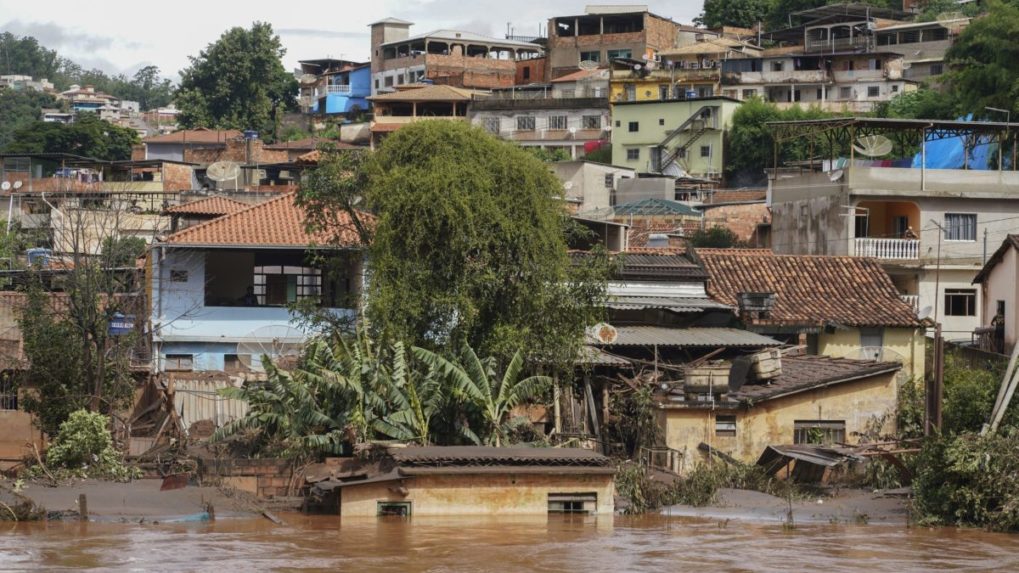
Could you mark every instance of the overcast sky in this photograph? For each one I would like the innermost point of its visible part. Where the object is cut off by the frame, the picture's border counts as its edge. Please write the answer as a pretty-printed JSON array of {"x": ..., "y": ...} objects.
[{"x": 119, "y": 36}]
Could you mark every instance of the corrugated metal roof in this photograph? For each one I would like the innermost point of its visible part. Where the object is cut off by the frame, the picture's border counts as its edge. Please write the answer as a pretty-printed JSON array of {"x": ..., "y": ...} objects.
[
  {"x": 662, "y": 336},
  {"x": 199, "y": 399},
  {"x": 596, "y": 357},
  {"x": 655, "y": 206},
  {"x": 675, "y": 304}
]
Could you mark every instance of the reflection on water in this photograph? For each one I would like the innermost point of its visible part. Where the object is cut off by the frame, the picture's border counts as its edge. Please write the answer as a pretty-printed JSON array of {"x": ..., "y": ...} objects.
[{"x": 555, "y": 543}]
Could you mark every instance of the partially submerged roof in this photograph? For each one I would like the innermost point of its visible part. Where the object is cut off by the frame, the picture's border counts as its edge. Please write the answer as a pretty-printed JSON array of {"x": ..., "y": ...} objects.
[
  {"x": 216, "y": 206},
  {"x": 1010, "y": 242},
  {"x": 278, "y": 222},
  {"x": 200, "y": 135},
  {"x": 428, "y": 93},
  {"x": 687, "y": 337},
  {"x": 810, "y": 291}
]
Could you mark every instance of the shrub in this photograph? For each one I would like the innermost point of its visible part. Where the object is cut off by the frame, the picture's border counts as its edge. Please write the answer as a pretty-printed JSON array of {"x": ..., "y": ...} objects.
[{"x": 84, "y": 448}]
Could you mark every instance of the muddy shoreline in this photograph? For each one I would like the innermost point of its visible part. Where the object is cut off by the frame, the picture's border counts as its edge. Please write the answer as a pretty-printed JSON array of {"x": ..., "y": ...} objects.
[{"x": 847, "y": 506}]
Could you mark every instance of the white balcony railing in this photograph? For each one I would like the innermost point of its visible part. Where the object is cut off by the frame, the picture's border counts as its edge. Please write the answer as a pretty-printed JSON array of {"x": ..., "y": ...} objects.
[
  {"x": 889, "y": 249},
  {"x": 912, "y": 300}
]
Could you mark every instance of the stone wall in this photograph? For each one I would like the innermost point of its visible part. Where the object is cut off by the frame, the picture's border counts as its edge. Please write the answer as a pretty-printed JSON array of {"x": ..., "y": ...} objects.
[{"x": 265, "y": 478}]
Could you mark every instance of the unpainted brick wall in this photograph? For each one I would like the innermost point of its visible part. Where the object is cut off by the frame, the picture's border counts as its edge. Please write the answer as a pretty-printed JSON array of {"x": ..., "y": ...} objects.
[
  {"x": 273, "y": 476},
  {"x": 177, "y": 177},
  {"x": 740, "y": 219}
]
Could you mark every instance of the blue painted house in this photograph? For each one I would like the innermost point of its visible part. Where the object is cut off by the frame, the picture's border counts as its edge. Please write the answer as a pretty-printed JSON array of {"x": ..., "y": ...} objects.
[
  {"x": 335, "y": 87},
  {"x": 220, "y": 289}
]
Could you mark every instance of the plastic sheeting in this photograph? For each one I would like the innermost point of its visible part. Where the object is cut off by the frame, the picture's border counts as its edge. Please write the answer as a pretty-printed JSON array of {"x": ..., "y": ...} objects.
[{"x": 950, "y": 152}]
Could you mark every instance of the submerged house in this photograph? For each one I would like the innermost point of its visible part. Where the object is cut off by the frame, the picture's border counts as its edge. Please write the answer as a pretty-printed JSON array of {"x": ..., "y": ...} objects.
[
  {"x": 221, "y": 288},
  {"x": 473, "y": 480}
]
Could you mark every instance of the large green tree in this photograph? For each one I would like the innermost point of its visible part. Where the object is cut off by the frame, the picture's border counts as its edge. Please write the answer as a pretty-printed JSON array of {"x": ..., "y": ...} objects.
[
  {"x": 741, "y": 13},
  {"x": 238, "y": 82},
  {"x": 985, "y": 62},
  {"x": 18, "y": 109},
  {"x": 23, "y": 55},
  {"x": 468, "y": 245},
  {"x": 88, "y": 136}
]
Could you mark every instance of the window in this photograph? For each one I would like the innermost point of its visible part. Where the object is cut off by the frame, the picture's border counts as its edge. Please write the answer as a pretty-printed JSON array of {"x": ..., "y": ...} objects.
[
  {"x": 663, "y": 91},
  {"x": 617, "y": 123},
  {"x": 819, "y": 432},
  {"x": 279, "y": 285},
  {"x": 705, "y": 91},
  {"x": 632, "y": 154},
  {"x": 610, "y": 180},
  {"x": 572, "y": 502},
  {"x": 725, "y": 425},
  {"x": 492, "y": 124},
  {"x": 960, "y": 302},
  {"x": 960, "y": 227},
  {"x": 873, "y": 91},
  {"x": 819, "y": 95},
  {"x": 177, "y": 276},
  {"x": 179, "y": 362},
  {"x": 895, "y": 89},
  {"x": 633, "y": 126},
  {"x": 615, "y": 54},
  {"x": 747, "y": 94},
  {"x": 376, "y": 83},
  {"x": 705, "y": 151},
  {"x": 937, "y": 69},
  {"x": 591, "y": 121},
  {"x": 776, "y": 66},
  {"x": 845, "y": 93},
  {"x": 557, "y": 122},
  {"x": 388, "y": 81},
  {"x": 527, "y": 73},
  {"x": 236, "y": 362},
  {"x": 590, "y": 56},
  {"x": 661, "y": 121},
  {"x": 8, "y": 394},
  {"x": 872, "y": 341},
  {"x": 394, "y": 508},
  {"x": 525, "y": 123}
]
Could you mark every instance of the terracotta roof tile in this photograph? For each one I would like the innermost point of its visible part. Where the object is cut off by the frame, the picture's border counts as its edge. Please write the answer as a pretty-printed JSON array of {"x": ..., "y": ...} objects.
[
  {"x": 278, "y": 222},
  {"x": 208, "y": 206},
  {"x": 810, "y": 290},
  {"x": 581, "y": 74},
  {"x": 200, "y": 135},
  {"x": 429, "y": 93}
]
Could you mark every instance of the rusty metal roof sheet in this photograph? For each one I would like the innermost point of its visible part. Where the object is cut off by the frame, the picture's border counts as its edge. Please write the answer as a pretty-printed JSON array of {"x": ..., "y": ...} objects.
[{"x": 688, "y": 337}]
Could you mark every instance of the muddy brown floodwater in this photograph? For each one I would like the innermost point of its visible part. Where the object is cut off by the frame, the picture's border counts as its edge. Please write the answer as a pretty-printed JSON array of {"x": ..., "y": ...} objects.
[{"x": 555, "y": 543}]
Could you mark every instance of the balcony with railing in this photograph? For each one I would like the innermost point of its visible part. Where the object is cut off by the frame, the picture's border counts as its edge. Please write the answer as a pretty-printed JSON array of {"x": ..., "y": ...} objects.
[
  {"x": 888, "y": 249},
  {"x": 912, "y": 300}
]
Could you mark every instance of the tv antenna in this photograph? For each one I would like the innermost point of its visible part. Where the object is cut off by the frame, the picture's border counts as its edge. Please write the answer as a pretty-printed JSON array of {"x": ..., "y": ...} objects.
[
  {"x": 873, "y": 145},
  {"x": 221, "y": 171}
]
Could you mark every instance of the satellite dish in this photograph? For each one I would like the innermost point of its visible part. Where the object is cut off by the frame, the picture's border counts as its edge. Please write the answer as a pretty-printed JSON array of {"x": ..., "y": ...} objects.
[
  {"x": 603, "y": 332},
  {"x": 281, "y": 344},
  {"x": 835, "y": 175},
  {"x": 873, "y": 145},
  {"x": 573, "y": 131},
  {"x": 18, "y": 185},
  {"x": 223, "y": 171},
  {"x": 5, "y": 186},
  {"x": 588, "y": 65},
  {"x": 925, "y": 312},
  {"x": 308, "y": 79}
]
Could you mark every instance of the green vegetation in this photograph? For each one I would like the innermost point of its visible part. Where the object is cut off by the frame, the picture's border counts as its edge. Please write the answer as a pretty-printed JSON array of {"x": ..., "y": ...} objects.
[
  {"x": 238, "y": 82},
  {"x": 984, "y": 62},
  {"x": 20, "y": 109},
  {"x": 751, "y": 145},
  {"x": 469, "y": 244},
  {"x": 88, "y": 136},
  {"x": 715, "y": 238},
  {"x": 740, "y": 13},
  {"x": 84, "y": 448},
  {"x": 352, "y": 392}
]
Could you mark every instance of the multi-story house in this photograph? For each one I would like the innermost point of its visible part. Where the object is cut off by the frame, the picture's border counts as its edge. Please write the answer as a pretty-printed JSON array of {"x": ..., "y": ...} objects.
[
  {"x": 455, "y": 58},
  {"x": 588, "y": 185},
  {"x": 851, "y": 81},
  {"x": 606, "y": 33},
  {"x": 397, "y": 109},
  {"x": 334, "y": 87},
  {"x": 221, "y": 289},
  {"x": 930, "y": 219},
  {"x": 569, "y": 124},
  {"x": 674, "y": 137},
  {"x": 923, "y": 45}
]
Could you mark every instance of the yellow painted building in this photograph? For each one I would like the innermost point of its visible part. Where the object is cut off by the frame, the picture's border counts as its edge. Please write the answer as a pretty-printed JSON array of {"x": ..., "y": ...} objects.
[
  {"x": 468, "y": 480},
  {"x": 905, "y": 345},
  {"x": 815, "y": 400}
]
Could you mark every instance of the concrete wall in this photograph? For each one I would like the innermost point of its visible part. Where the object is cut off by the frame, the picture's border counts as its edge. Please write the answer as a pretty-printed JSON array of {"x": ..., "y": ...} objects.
[
  {"x": 858, "y": 403},
  {"x": 564, "y": 51},
  {"x": 904, "y": 345},
  {"x": 808, "y": 215},
  {"x": 16, "y": 432},
  {"x": 587, "y": 182},
  {"x": 1002, "y": 284},
  {"x": 506, "y": 494}
]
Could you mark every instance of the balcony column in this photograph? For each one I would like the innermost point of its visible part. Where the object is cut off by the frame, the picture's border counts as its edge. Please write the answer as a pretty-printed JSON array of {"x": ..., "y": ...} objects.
[{"x": 413, "y": 109}]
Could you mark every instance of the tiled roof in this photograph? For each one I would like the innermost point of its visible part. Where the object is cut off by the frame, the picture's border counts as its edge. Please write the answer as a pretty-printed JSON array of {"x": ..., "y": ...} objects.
[
  {"x": 686, "y": 337},
  {"x": 278, "y": 222},
  {"x": 660, "y": 264},
  {"x": 581, "y": 75},
  {"x": 200, "y": 135},
  {"x": 810, "y": 290},
  {"x": 801, "y": 373},
  {"x": 208, "y": 206},
  {"x": 712, "y": 46},
  {"x": 428, "y": 93},
  {"x": 486, "y": 455},
  {"x": 1010, "y": 242}
]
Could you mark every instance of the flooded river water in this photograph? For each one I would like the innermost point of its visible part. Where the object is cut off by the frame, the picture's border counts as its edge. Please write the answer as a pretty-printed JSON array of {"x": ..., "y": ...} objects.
[{"x": 542, "y": 544}]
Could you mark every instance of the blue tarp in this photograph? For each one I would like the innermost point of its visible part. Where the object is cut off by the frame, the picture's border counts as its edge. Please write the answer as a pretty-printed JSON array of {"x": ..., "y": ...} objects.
[{"x": 949, "y": 152}]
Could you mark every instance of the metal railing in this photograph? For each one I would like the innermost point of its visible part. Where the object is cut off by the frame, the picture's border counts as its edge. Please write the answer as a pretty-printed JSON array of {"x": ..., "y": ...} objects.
[{"x": 888, "y": 249}]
